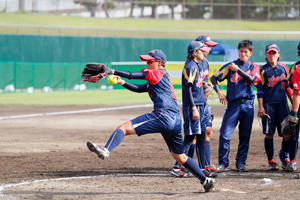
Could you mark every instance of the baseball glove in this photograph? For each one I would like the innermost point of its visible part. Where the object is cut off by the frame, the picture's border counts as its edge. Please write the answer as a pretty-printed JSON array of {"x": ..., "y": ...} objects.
[
  {"x": 93, "y": 72},
  {"x": 207, "y": 88},
  {"x": 289, "y": 125}
]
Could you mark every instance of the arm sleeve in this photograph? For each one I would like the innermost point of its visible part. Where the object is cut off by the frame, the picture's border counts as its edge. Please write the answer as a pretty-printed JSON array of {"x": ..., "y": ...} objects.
[
  {"x": 213, "y": 80},
  {"x": 135, "y": 87},
  {"x": 246, "y": 76},
  {"x": 130, "y": 75},
  {"x": 260, "y": 85},
  {"x": 190, "y": 96}
]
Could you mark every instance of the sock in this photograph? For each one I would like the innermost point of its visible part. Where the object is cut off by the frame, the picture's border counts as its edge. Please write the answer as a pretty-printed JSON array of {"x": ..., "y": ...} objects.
[
  {"x": 191, "y": 151},
  {"x": 176, "y": 165},
  {"x": 285, "y": 146},
  {"x": 206, "y": 147},
  {"x": 191, "y": 165},
  {"x": 200, "y": 153},
  {"x": 114, "y": 140},
  {"x": 293, "y": 147},
  {"x": 269, "y": 147}
]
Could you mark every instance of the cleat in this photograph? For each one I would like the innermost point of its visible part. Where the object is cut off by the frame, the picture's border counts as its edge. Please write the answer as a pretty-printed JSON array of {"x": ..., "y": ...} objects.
[
  {"x": 208, "y": 184},
  {"x": 222, "y": 168},
  {"x": 179, "y": 172},
  {"x": 211, "y": 168},
  {"x": 291, "y": 167},
  {"x": 208, "y": 173},
  {"x": 273, "y": 166},
  {"x": 285, "y": 163},
  {"x": 284, "y": 158},
  {"x": 242, "y": 168},
  {"x": 102, "y": 153}
]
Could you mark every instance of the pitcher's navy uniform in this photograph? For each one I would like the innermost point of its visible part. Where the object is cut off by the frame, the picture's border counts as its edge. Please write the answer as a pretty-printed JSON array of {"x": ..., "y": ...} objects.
[
  {"x": 166, "y": 116},
  {"x": 240, "y": 108}
]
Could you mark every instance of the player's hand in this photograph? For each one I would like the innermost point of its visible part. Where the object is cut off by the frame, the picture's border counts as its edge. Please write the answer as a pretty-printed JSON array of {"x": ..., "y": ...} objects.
[
  {"x": 196, "y": 115},
  {"x": 261, "y": 112},
  {"x": 120, "y": 80},
  {"x": 233, "y": 67},
  {"x": 222, "y": 98}
]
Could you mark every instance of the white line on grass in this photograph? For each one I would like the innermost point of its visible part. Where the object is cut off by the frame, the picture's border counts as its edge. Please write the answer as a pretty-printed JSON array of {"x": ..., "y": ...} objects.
[{"x": 76, "y": 111}]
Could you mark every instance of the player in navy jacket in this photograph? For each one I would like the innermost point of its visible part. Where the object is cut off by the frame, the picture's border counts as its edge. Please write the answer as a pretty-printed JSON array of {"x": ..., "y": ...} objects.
[
  {"x": 272, "y": 104},
  {"x": 164, "y": 119},
  {"x": 294, "y": 80},
  {"x": 240, "y": 76}
]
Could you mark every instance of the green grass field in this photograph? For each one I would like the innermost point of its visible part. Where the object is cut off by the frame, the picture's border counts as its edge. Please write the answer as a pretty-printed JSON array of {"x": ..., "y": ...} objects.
[
  {"x": 136, "y": 27},
  {"x": 91, "y": 97}
]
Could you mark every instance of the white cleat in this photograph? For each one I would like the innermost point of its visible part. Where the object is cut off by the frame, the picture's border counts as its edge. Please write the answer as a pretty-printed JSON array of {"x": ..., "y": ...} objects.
[
  {"x": 102, "y": 153},
  {"x": 208, "y": 184}
]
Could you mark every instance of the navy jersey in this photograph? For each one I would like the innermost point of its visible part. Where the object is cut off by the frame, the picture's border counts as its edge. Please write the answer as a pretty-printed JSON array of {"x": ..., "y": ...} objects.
[
  {"x": 237, "y": 86},
  {"x": 273, "y": 84},
  {"x": 192, "y": 75},
  {"x": 161, "y": 90},
  {"x": 205, "y": 66}
]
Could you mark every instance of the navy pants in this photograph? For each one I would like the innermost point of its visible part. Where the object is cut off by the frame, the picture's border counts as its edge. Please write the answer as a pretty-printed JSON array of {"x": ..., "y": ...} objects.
[{"x": 242, "y": 112}]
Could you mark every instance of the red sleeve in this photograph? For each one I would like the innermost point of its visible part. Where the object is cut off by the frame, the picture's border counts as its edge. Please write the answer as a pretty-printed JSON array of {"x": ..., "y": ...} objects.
[
  {"x": 153, "y": 75},
  {"x": 285, "y": 67},
  {"x": 256, "y": 73},
  {"x": 296, "y": 79}
]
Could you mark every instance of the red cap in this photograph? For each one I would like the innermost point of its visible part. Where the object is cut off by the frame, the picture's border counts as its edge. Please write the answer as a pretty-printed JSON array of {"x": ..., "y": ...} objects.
[
  {"x": 146, "y": 57},
  {"x": 205, "y": 49}
]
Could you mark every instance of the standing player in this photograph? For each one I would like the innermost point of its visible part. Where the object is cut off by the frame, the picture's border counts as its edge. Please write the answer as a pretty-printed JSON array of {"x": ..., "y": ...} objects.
[
  {"x": 272, "y": 104},
  {"x": 193, "y": 101},
  {"x": 165, "y": 118},
  {"x": 204, "y": 151},
  {"x": 294, "y": 79},
  {"x": 240, "y": 76}
]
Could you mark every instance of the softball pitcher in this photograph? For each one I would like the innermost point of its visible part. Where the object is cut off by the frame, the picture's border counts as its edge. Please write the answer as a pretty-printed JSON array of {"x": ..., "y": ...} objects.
[{"x": 164, "y": 119}]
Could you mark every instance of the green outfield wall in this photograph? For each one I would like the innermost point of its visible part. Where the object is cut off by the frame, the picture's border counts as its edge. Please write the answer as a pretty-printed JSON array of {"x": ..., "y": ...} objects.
[{"x": 63, "y": 49}]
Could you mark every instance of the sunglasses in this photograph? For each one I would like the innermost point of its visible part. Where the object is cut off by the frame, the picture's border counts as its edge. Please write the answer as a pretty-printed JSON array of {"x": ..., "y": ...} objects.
[{"x": 149, "y": 62}]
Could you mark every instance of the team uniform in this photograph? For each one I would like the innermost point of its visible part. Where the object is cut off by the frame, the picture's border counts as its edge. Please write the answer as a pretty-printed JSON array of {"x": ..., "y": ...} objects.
[
  {"x": 240, "y": 108},
  {"x": 166, "y": 116},
  {"x": 272, "y": 89},
  {"x": 294, "y": 80},
  {"x": 192, "y": 75}
]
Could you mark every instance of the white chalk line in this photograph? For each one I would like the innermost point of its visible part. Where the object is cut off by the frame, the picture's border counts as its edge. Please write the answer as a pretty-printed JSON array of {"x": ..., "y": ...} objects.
[
  {"x": 75, "y": 112},
  {"x": 11, "y": 185},
  {"x": 252, "y": 175}
]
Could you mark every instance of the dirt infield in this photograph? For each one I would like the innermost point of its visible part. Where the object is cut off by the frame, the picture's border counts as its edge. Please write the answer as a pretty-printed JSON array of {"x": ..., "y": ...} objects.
[{"x": 45, "y": 157}]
